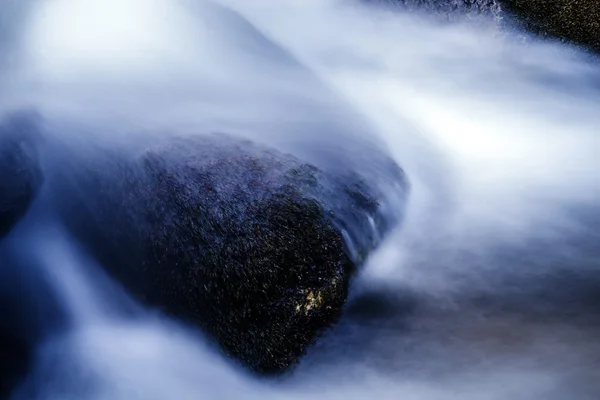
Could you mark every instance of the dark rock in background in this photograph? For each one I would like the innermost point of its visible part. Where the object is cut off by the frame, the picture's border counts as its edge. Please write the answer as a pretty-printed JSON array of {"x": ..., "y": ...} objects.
[
  {"x": 576, "y": 21},
  {"x": 252, "y": 245},
  {"x": 20, "y": 173},
  {"x": 573, "y": 21},
  {"x": 450, "y": 10}
]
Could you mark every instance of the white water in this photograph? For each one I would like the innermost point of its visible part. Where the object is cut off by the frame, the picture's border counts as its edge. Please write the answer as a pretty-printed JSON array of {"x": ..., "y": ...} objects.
[{"x": 499, "y": 138}]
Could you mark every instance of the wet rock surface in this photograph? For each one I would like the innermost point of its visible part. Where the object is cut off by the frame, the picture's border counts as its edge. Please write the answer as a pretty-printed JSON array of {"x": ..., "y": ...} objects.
[
  {"x": 20, "y": 178},
  {"x": 20, "y": 173},
  {"x": 576, "y": 21},
  {"x": 20, "y": 181},
  {"x": 449, "y": 10},
  {"x": 252, "y": 245}
]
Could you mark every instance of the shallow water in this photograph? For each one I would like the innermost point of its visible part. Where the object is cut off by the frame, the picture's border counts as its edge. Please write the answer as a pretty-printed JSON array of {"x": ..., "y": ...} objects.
[{"x": 489, "y": 290}]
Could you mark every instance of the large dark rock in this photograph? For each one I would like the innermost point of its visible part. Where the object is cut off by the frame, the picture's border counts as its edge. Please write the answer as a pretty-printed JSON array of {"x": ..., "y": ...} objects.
[
  {"x": 20, "y": 173},
  {"x": 252, "y": 245},
  {"x": 576, "y": 21}
]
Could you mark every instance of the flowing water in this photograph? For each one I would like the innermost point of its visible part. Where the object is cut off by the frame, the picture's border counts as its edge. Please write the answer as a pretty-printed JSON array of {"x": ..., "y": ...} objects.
[{"x": 489, "y": 290}]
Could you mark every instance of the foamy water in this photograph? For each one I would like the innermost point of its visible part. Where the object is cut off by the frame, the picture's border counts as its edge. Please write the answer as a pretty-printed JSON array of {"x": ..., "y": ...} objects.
[{"x": 487, "y": 291}]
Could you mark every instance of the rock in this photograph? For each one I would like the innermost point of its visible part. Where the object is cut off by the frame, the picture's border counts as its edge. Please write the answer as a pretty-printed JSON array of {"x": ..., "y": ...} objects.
[
  {"x": 251, "y": 244},
  {"x": 20, "y": 172},
  {"x": 14, "y": 358},
  {"x": 576, "y": 21},
  {"x": 254, "y": 246},
  {"x": 450, "y": 10},
  {"x": 22, "y": 329}
]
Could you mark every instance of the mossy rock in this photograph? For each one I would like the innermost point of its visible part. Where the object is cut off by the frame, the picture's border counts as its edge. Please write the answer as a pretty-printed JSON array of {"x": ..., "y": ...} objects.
[
  {"x": 575, "y": 21},
  {"x": 252, "y": 245}
]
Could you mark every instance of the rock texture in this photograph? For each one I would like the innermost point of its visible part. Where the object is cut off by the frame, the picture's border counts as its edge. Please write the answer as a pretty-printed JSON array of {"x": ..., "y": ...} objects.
[
  {"x": 450, "y": 10},
  {"x": 20, "y": 173},
  {"x": 576, "y": 21},
  {"x": 252, "y": 245}
]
